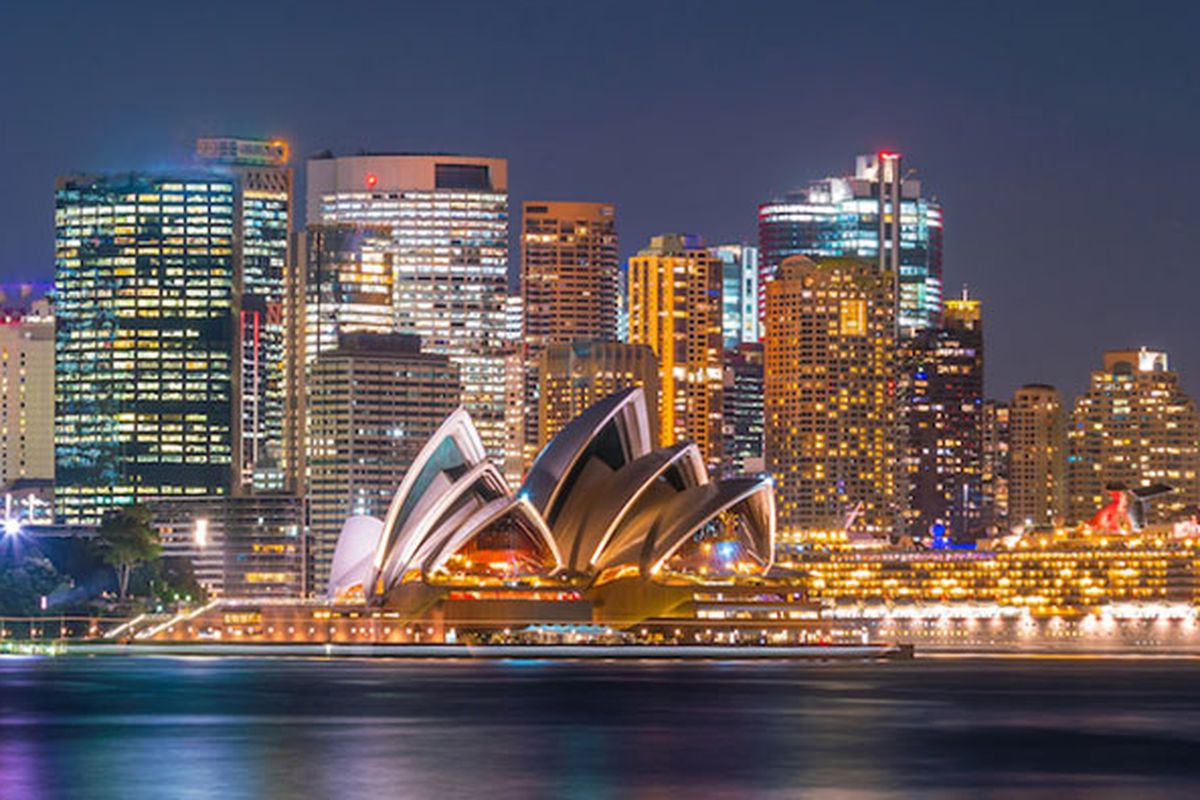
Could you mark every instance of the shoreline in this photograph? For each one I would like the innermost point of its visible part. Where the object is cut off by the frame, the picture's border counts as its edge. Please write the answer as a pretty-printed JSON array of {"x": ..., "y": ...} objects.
[
  {"x": 578, "y": 652},
  {"x": 459, "y": 652}
]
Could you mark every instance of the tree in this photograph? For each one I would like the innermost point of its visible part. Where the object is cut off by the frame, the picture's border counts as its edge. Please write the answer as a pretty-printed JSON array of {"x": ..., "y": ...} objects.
[
  {"x": 128, "y": 539},
  {"x": 168, "y": 580},
  {"x": 24, "y": 582}
]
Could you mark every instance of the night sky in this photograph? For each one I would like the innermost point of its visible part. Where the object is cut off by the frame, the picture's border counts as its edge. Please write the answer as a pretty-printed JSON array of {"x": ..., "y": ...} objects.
[{"x": 1063, "y": 140}]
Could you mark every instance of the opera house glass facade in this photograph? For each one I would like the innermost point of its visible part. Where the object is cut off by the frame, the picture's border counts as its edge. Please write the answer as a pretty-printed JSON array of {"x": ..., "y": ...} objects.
[{"x": 602, "y": 519}]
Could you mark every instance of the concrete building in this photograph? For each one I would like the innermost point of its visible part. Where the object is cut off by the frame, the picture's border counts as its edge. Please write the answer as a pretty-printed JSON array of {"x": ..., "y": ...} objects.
[
  {"x": 373, "y": 401},
  {"x": 448, "y": 222},
  {"x": 675, "y": 308},
  {"x": 742, "y": 414},
  {"x": 997, "y": 440},
  {"x": 251, "y": 546},
  {"x": 831, "y": 441},
  {"x": 569, "y": 284},
  {"x": 1134, "y": 428},
  {"x": 27, "y": 394},
  {"x": 345, "y": 278},
  {"x": 942, "y": 407},
  {"x": 576, "y": 376},
  {"x": 1037, "y": 482}
]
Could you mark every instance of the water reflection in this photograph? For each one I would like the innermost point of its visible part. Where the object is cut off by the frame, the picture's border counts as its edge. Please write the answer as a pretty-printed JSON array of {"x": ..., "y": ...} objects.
[{"x": 197, "y": 728}]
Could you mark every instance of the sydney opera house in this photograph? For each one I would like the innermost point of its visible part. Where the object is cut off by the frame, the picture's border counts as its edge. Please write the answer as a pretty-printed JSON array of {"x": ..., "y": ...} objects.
[
  {"x": 605, "y": 528},
  {"x": 610, "y": 537}
]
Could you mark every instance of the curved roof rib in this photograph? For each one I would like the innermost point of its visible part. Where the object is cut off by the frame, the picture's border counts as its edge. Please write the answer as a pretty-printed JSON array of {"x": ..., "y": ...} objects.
[
  {"x": 691, "y": 510},
  {"x": 454, "y": 447},
  {"x": 589, "y": 519},
  {"x": 440, "y": 516},
  {"x": 351, "y": 568},
  {"x": 484, "y": 517},
  {"x": 616, "y": 430}
]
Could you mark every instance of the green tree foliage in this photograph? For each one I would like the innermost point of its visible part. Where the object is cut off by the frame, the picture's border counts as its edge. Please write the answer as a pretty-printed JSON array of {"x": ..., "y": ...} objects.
[
  {"x": 168, "y": 580},
  {"x": 127, "y": 538},
  {"x": 23, "y": 584}
]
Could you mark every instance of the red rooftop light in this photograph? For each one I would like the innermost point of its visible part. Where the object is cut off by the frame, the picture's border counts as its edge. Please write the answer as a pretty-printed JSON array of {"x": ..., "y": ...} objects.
[{"x": 371, "y": 180}]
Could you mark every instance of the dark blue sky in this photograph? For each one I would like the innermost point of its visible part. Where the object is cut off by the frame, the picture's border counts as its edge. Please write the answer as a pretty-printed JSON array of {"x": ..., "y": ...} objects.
[{"x": 1062, "y": 138}]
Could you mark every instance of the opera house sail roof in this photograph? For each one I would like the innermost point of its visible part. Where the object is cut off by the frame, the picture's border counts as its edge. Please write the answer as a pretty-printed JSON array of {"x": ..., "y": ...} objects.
[{"x": 599, "y": 504}]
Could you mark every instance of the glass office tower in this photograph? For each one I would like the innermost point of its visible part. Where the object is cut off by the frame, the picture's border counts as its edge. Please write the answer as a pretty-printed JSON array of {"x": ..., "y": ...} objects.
[
  {"x": 263, "y": 211},
  {"x": 855, "y": 216},
  {"x": 448, "y": 222},
  {"x": 170, "y": 345},
  {"x": 145, "y": 306},
  {"x": 739, "y": 293}
]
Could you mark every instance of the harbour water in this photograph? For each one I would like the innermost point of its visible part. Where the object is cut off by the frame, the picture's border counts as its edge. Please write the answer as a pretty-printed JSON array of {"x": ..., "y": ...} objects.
[{"x": 167, "y": 727}]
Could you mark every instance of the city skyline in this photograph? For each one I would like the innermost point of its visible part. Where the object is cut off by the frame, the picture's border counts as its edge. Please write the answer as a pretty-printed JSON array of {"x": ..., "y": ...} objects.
[
  {"x": 666, "y": 399},
  {"x": 1036, "y": 203}
]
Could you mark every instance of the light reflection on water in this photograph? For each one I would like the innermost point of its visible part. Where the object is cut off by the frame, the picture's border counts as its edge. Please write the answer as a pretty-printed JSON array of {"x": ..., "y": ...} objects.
[{"x": 230, "y": 728}]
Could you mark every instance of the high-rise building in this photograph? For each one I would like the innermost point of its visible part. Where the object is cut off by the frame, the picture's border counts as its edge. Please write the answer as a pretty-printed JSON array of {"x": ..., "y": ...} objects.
[
  {"x": 1037, "y": 457},
  {"x": 27, "y": 394},
  {"x": 742, "y": 415},
  {"x": 448, "y": 221},
  {"x": 251, "y": 546},
  {"x": 146, "y": 312},
  {"x": 568, "y": 272},
  {"x": 739, "y": 293},
  {"x": 830, "y": 396},
  {"x": 856, "y": 216},
  {"x": 997, "y": 438},
  {"x": 263, "y": 203},
  {"x": 348, "y": 281},
  {"x": 575, "y": 376},
  {"x": 675, "y": 308},
  {"x": 942, "y": 414},
  {"x": 569, "y": 284},
  {"x": 170, "y": 344},
  {"x": 1134, "y": 427},
  {"x": 374, "y": 400},
  {"x": 343, "y": 285}
]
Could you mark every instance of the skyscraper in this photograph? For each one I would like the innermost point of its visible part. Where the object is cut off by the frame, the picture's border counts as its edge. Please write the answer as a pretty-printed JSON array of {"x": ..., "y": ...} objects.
[
  {"x": 675, "y": 308},
  {"x": 997, "y": 441},
  {"x": 349, "y": 277},
  {"x": 830, "y": 395},
  {"x": 1037, "y": 483},
  {"x": 856, "y": 216},
  {"x": 170, "y": 342},
  {"x": 27, "y": 394},
  {"x": 343, "y": 284},
  {"x": 448, "y": 218},
  {"x": 942, "y": 417},
  {"x": 739, "y": 293},
  {"x": 263, "y": 205},
  {"x": 575, "y": 376},
  {"x": 374, "y": 400},
  {"x": 569, "y": 284},
  {"x": 146, "y": 307},
  {"x": 1134, "y": 427},
  {"x": 742, "y": 414}
]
